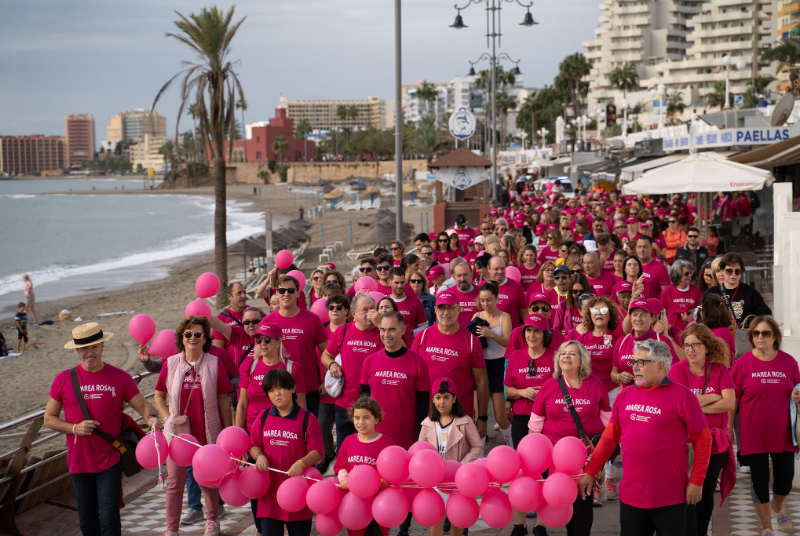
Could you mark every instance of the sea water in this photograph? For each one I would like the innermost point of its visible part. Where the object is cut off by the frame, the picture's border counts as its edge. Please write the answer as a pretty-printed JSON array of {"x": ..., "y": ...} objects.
[{"x": 77, "y": 244}]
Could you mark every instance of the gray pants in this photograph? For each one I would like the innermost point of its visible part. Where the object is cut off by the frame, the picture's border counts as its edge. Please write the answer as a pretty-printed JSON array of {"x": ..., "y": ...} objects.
[{"x": 327, "y": 419}]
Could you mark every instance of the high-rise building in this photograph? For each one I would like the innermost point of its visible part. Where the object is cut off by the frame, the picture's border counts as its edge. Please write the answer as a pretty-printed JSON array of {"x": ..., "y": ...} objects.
[
  {"x": 787, "y": 24},
  {"x": 414, "y": 108},
  {"x": 324, "y": 114},
  {"x": 81, "y": 143},
  {"x": 28, "y": 155},
  {"x": 147, "y": 152},
  {"x": 134, "y": 124}
]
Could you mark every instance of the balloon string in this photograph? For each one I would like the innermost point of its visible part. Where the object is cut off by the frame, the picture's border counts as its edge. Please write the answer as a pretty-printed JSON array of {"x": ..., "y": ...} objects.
[{"x": 158, "y": 458}]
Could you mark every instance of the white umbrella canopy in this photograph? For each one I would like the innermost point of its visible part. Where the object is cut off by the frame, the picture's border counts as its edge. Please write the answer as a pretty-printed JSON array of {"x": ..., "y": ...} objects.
[{"x": 700, "y": 172}]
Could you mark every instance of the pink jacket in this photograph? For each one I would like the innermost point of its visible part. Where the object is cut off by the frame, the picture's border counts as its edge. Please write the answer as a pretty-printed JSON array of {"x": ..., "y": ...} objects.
[
  {"x": 207, "y": 369},
  {"x": 463, "y": 443}
]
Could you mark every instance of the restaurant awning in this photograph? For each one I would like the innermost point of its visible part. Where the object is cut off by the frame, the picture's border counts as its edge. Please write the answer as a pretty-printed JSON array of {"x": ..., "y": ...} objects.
[
  {"x": 782, "y": 153},
  {"x": 634, "y": 171}
]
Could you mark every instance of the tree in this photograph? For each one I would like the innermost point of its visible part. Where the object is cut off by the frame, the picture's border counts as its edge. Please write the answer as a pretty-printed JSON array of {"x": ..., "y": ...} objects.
[
  {"x": 760, "y": 84},
  {"x": 426, "y": 92},
  {"x": 167, "y": 150},
  {"x": 241, "y": 104},
  {"x": 505, "y": 103},
  {"x": 428, "y": 139},
  {"x": 624, "y": 77},
  {"x": 301, "y": 130},
  {"x": 675, "y": 105},
  {"x": 572, "y": 70},
  {"x": 787, "y": 54},
  {"x": 717, "y": 97},
  {"x": 211, "y": 80},
  {"x": 279, "y": 144}
]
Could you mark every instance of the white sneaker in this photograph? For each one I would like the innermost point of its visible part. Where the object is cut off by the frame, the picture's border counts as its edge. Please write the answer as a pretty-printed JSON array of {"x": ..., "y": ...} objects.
[
  {"x": 745, "y": 469},
  {"x": 496, "y": 426}
]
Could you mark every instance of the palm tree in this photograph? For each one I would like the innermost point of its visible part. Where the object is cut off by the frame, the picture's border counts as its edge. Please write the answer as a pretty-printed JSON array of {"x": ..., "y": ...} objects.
[
  {"x": 212, "y": 80},
  {"x": 505, "y": 104},
  {"x": 676, "y": 106},
  {"x": 572, "y": 70},
  {"x": 429, "y": 139},
  {"x": 760, "y": 84},
  {"x": 342, "y": 113},
  {"x": 193, "y": 113},
  {"x": 624, "y": 77},
  {"x": 427, "y": 93},
  {"x": 241, "y": 104},
  {"x": 279, "y": 144},
  {"x": 167, "y": 150},
  {"x": 787, "y": 53},
  {"x": 301, "y": 130},
  {"x": 717, "y": 97}
]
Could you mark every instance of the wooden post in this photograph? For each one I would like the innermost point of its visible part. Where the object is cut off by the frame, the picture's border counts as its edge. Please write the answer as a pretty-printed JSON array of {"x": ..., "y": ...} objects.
[
  {"x": 268, "y": 239},
  {"x": 7, "y": 506}
]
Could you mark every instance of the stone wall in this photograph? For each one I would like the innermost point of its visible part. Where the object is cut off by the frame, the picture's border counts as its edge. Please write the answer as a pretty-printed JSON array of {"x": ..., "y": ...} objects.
[{"x": 248, "y": 173}]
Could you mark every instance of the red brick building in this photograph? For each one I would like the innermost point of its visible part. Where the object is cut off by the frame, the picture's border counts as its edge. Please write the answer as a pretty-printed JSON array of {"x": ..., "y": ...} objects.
[
  {"x": 28, "y": 155},
  {"x": 259, "y": 146},
  {"x": 80, "y": 139}
]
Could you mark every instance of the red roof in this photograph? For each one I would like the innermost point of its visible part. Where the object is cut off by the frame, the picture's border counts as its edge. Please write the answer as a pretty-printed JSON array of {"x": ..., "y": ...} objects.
[{"x": 461, "y": 158}]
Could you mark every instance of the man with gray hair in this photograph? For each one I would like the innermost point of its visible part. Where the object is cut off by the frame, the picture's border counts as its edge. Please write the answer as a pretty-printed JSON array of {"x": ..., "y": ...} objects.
[
  {"x": 651, "y": 420},
  {"x": 451, "y": 282},
  {"x": 602, "y": 282},
  {"x": 680, "y": 298}
]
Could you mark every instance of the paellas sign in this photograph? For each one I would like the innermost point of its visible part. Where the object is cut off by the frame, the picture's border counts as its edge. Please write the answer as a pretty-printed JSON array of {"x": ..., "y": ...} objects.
[
  {"x": 731, "y": 136},
  {"x": 462, "y": 177}
]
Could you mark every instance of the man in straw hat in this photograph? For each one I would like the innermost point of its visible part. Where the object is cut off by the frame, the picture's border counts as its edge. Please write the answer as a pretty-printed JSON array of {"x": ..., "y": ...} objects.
[{"x": 93, "y": 462}]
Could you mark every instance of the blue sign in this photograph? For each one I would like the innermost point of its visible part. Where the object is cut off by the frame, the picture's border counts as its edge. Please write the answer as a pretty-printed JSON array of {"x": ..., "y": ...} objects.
[
  {"x": 738, "y": 100},
  {"x": 731, "y": 136}
]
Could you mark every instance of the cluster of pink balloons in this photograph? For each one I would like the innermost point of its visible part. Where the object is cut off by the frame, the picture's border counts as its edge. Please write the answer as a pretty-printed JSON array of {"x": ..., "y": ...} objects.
[{"x": 142, "y": 328}]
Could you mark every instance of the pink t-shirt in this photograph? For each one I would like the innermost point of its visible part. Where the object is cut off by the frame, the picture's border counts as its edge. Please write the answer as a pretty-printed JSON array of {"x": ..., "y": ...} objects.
[
  {"x": 655, "y": 425},
  {"x": 444, "y": 257},
  {"x": 105, "y": 393},
  {"x": 302, "y": 334},
  {"x": 412, "y": 310},
  {"x": 230, "y": 321},
  {"x": 727, "y": 336},
  {"x": 240, "y": 345},
  {"x": 719, "y": 378},
  {"x": 511, "y": 299},
  {"x": 250, "y": 379},
  {"x": 608, "y": 265},
  {"x": 603, "y": 285},
  {"x": 547, "y": 254},
  {"x": 623, "y": 350},
  {"x": 468, "y": 303},
  {"x": 764, "y": 390},
  {"x": 464, "y": 234},
  {"x": 528, "y": 275},
  {"x": 354, "y": 452},
  {"x": 656, "y": 276},
  {"x": 393, "y": 382},
  {"x": 589, "y": 400},
  {"x": 518, "y": 375},
  {"x": 301, "y": 298},
  {"x": 453, "y": 356},
  {"x": 284, "y": 441},
  {"x": 517, "y": 341},
  {"x": 601, "y": 349},
  {"x": 194, "y": 407},
  {"x": 355, "y": 346},
  {"x": 387, "y": 290},
  {"x": 678, "y": 301}
]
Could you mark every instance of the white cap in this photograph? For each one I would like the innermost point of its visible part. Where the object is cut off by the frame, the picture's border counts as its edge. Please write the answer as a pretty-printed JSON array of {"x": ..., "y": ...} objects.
[
  {"x": 590, "y": 245},
  {"x": 761, "y": 96}
]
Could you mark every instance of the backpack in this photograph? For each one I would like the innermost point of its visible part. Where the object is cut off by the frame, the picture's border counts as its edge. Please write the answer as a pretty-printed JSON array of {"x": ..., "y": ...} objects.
[{"x": 265, "y": 414}]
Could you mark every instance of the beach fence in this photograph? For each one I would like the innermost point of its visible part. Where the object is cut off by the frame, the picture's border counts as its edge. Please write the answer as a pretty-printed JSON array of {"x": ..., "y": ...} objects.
[{"x": 32, "y": 474}]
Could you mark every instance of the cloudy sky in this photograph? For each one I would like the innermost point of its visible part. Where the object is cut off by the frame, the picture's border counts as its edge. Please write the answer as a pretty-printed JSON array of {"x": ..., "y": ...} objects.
[{"x": 105, "y": 56}]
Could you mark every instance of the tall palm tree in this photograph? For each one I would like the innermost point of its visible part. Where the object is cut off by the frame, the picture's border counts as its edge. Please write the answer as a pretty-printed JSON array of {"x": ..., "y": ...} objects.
[
  {"x": 211, "y": 80},
  {"x": 787, "y": 53},
  {"x": 428, "y": 138},
  {"x": 241, "y": 104},
  {"x": 572, "y": 70},
  {"x": 193, "y": 113},
  {"x": 624, "y": 77},
  {"x": 427, "y": 93},
  {"x": 676, "y": 106},
  {"x": 717, "y": 97},
  {"x": 760, "y": 84},
  {"x": 167, "y": 150},
  {"x": 301, "y": 130},
  {"x": 279, "y": 145}
]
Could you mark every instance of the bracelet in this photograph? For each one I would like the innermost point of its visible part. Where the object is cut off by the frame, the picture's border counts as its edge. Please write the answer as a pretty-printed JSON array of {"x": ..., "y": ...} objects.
[
  {"x": 302, "y": 463},
  {"x": 73, "y": 428},
  {"x": 257, "y": 455}
]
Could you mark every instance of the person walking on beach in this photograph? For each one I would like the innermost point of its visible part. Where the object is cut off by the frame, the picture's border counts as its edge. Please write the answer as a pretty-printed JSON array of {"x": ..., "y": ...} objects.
[
  {"x": 30, "y": 298},
  {"x": 92, "y": 459},
  {"x": 21, "y": 323}
]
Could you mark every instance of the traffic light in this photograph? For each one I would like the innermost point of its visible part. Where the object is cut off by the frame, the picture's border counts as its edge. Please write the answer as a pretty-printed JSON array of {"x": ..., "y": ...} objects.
[{"x": 611, "y": 114}]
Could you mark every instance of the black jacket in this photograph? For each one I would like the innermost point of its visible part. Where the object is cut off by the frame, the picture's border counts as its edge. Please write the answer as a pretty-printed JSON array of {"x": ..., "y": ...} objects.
[
  {"x": 745, "y": 301},
  {"x": 697, "y": 256}
]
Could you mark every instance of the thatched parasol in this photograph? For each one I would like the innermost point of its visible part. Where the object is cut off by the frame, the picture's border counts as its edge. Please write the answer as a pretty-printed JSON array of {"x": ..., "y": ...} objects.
[{"x": 336, "y": 193}]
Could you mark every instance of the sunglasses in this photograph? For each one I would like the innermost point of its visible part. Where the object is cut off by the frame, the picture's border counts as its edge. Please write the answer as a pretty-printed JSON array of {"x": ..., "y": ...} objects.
[
  {"x": 573, "y": 272},
  {"x": 543, "y": 308},
  {"x": 733, "y": 271},
  {"x": 249, "y": 322},
  {"x": 756, "y": 334},
  {"x": 267, "y": 340},
  {"x": 443, "y": 240},
  {"x": 416, "y": 281},
  {"x": 384, "y": 267},
  {"x": 394, "y": 248},
  {"x": 707, "y": 275},
  {"x": 687, "y": 274},
  {"x": 337, "y": 307},
  {"x": 428, "y": 253},
  {"x": 692, "y": 236},
  {"x": 577, "y": 292},
  {"x": 283, "y": 291},
  {"x": 486, "y": 228},
  {"x": 315, "y": 278},
  {"x": 189, "y": 334},
  {"x": 672, "y": 221},
  {"x": 559, "y": 277},
  {"x": 619, "y": 228},
  {"x": 598, "y": 310},
  {"x": 366, "y": 270}
]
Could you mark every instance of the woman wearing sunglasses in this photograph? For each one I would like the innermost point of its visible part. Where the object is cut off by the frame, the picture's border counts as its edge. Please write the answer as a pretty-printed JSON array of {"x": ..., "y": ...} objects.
[
  {"x": 455, "y": 243},
  {"x": 444, "y": 254},
  {"x": 240, "y": 339},
  {"x": 741, "y": 299},
  {"x": 682, "y": 296},
  {"x": 317, "y": 281},
  {"x": 765, "y": 380},
  {"x": 419, "y": 283},
  {"x": 603, "y": 328},
  {"x": 397, "y": 250},
  {"x": 568, "y": 314},
  {"x": 552, "y": 250}
]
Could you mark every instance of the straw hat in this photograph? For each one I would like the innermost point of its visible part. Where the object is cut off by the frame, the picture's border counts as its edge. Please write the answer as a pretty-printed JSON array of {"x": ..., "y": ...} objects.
[{"x": 87, "y": 335}]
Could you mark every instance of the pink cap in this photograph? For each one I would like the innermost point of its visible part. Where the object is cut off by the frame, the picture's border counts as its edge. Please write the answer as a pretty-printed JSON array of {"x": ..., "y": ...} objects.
[
  {"x": 582, "y": 210},
  {"x": 330, "y": 265},
  {"x": 538, "y": 322},
  {"x": 493, "y": 213},
  {"x": 432, "y": 236},
  {"x": 538, "y": 298},
  {"x": 434, "y": 272},
  {"x": 609, "y": 210},
  {"x": 644, "y": 225},
  {"x": 446, "y": 298},
  {"x": 623, "y": 286},
  {"x": 269, "y": 329},
  {"x": 620, "y": 203},
  {"x": 632, "y": 220},
  {"x": 480, "y": 239},
  {"x": 471, "y": 242},
  {"x": 541, "y": 229},
  {"x": 451, "y": 386},
  {"x": 641, "y": 304},
  {"x": 655, "y": 305},
  {"x": 451, "y": 232},
  {"x": 552, "y": 226}
]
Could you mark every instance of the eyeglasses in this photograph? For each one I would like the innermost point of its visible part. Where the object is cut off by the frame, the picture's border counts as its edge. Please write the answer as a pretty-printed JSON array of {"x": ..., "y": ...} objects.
[
  {"x": 367, "y": 269},
  {"x": 576, "y": 292},
  {"x": 486, "y": 228},
  {"x": 598, "y": 310},
  {"x": 394, "y": 248},
  {"x": 283, "y": 291},
  {"x": 756, "y": 334},
  {"x": 189, "y": 334},
  {"x": 550, "y": 270},
  {"x": 249, "y": 322},
  {"x": 694, "y": 346},
  {"x": 559, "y": 277},
  {"x": 267, "y": 340},
  {"x": 692, "y": 236},
  {"x": 416, "y": 281},
  {"x": 384, "y": 267},
  {"x": 733, "y": 271},
  {"x": 337, "y": 307},
  {"x": 536, "y": 308},
  {"x": 639, "y": 362}
]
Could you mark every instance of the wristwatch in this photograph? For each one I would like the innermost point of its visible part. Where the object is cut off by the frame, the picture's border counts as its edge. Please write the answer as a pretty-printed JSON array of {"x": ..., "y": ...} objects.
[
  {"x": 154, "y": 415},
  {"x": 483, "y": 418}
]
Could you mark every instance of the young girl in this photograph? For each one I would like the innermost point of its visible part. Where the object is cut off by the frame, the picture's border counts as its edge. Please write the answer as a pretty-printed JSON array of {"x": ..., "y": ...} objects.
[
  {"x": 448, "y": 428},
  {"x": 300, "y": 446},
  {"x": 363, "y": 448}
]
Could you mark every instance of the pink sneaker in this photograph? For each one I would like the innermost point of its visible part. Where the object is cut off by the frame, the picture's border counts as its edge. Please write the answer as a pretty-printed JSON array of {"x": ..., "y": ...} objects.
[{"x": 212, "y": 528}]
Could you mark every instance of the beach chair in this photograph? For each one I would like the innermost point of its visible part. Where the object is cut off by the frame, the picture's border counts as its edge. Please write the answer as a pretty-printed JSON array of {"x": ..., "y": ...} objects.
[{"x": 360, "y": 254}]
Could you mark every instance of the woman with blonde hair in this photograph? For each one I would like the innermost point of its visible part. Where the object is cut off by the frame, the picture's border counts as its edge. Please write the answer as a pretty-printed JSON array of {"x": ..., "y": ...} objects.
[
  {"x": 317, "y": 281},
  {"x": 509, "y": 243},
  {"x": 716, "y": 272},
  {"x": 419, "y": 283},
  {"x": 30, "y": 298}
]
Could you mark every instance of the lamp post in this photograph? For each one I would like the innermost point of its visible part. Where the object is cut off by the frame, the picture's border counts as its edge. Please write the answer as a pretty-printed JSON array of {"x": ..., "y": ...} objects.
[
  {"x": 658, "y": 93},
  {"x": 543, "y": 132},
  {"x": 600, "y": 112},
  {"x": 524, "y": 135},
  {"x": 726, "y": 61},
  {"x": 624, "y": 107},
  {"x": 493, "y": 41},
  {"x": 398, "y": 123}
]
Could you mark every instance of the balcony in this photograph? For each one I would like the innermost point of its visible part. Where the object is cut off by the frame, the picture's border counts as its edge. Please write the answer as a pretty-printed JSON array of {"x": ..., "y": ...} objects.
[
  {"x": 697, "y": 35},
  {"x": 631, "y": 10},
  {"x": 722, "y": 47},
  {"x": 633, "y": 45}
]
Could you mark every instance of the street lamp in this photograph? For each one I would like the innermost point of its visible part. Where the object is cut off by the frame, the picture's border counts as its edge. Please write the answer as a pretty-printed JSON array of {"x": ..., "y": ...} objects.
[
  {"x": 658, "y": 92},
  {"x": 494, "y": 41},
  {"x": 524, "y": 135},
  {"x": 624, "y": 107},
  {"x": 600, "y": 113},
  {"x": 726, "y": 61},
  {"x": 543, "y": 132}
]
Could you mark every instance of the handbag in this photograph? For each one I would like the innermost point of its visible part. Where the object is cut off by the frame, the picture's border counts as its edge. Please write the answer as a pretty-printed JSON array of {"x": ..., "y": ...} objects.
[
  {"x": 181, "y": 422},
  {"x": 472, "y": 327},
  {"x": 739, "y": 332},
  {"x": 125, "y": 443},
  {"x": 589, "y": 443}
]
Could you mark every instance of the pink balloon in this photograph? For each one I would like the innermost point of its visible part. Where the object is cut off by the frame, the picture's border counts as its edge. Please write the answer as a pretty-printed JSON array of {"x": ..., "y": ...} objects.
[
  {"x": 377, "y": 296},
  {"x": 569, "y": 455},
  {"x": 355, "y": 513},
  {"x": 560, "y": 490},
  {"x": 462, "y": 511},
  {"x": 390, "y": 507},
  {"x": 335, "y": 481},
  {"x": 503, "y": 463},
  {"x": 313, "y": 473},
  {"x": 163, "y": 344},
  {"x": 421, "y": 445},
  {"x": 328, "y": 524},
  {"x": 253, "y": 483},
  {"x": 230, "y": 492},
  {"x": 207, "y": 285},
  {"x": 142, "y": 328},
  {"x": 426, "y": 468},
  {"x": 148, "y": 455},
  {"x": 198, "y": 308},
  {"x": 482, "y": 463},
  {"x": 291, "y": 494},
  {"x": 234, "y": 441},
  {"x": 210, "y": 463},
  {"x": 472, "y": 480},
  {"x": 207, "y": 483},
  {"x": 448, "y": 484},
  {"x": 364, "y": 481},
  {"x": 366, "y": 283},
  {"x": 393, "y": 464},
  {"x": 301, "y": 279},
  {"x": 411, "y": 493},
  {"x": 320, "y": 308},
  {"x": 496, "y": 509},
  {"x": 535, "y": 453},
  {"x": 554, "y": 516},
  {"x": 323, "y": 497},
  {"x": 284, "y": 259},
  {"x": 428, "y": 507},
  {"x": 525, "y": 494},
  {"x": 513, "y": 273},
  {"x": 182, "y": 452}
]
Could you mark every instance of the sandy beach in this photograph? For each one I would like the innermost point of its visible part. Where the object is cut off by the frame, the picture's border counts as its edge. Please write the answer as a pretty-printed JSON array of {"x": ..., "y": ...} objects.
[{"x": 25, "y": 380}]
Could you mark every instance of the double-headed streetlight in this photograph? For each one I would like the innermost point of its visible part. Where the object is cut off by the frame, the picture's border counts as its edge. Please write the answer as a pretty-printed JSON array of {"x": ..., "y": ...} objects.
[
  {"x": 726, "y": 61},
  {"x": 543, "y": 132},
  {"x": 658, "y": 93},
  {"x": 599, "y": 114},
  {"x": 493, "y": 41}
]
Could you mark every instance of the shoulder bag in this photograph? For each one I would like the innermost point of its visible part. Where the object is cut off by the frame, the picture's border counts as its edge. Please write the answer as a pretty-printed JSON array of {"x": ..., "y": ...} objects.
[
  {"x": 589, "y": 443},
  {"x": 739, "y": 332}
]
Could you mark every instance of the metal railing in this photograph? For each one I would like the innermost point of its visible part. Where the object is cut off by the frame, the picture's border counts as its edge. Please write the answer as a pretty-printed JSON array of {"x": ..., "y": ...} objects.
[{"x": 10, "y": 482}]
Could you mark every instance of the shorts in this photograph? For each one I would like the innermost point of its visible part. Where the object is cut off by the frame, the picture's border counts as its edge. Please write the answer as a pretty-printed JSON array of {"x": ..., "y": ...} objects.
[
  {"x": 21, "y": 336},
  {"x": 495, "y": 370}
]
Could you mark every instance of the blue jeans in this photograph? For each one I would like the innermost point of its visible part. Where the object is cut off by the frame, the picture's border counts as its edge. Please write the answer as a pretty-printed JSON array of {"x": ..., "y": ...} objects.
[
  {"x": 193, "y": 493},
  {"x": 97, "y": 495},
  {"x": 344, "y": 426}
]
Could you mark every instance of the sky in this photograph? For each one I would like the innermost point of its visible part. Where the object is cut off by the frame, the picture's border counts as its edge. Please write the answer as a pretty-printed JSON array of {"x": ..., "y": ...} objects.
[{"x": 102, "y": 57}]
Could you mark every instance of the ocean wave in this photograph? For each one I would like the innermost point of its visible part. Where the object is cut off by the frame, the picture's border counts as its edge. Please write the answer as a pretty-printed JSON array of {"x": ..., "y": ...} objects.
[{"x": 17, "y": 196}]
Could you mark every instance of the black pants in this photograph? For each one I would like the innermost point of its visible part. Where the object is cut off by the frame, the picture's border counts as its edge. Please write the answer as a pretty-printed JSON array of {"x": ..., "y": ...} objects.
[
  {"x": 97, "y": 497},
  {"x": 665, "y": 521},
  {"x": 519, "y": 428},
  {"x": 582, "y": 517},
  {"x": 326, "y": 419},
  {"x": 274, "y": 527},
  {"x": 698, "y": 516},
  {"x": 344, "y": 426},
  {"x": 312, "y": 403},
  {"x": 782, "y": 474}
]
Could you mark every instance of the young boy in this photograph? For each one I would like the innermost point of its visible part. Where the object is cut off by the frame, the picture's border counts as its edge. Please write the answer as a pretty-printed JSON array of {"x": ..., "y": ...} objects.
[{"x": 21, "y": 321}]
